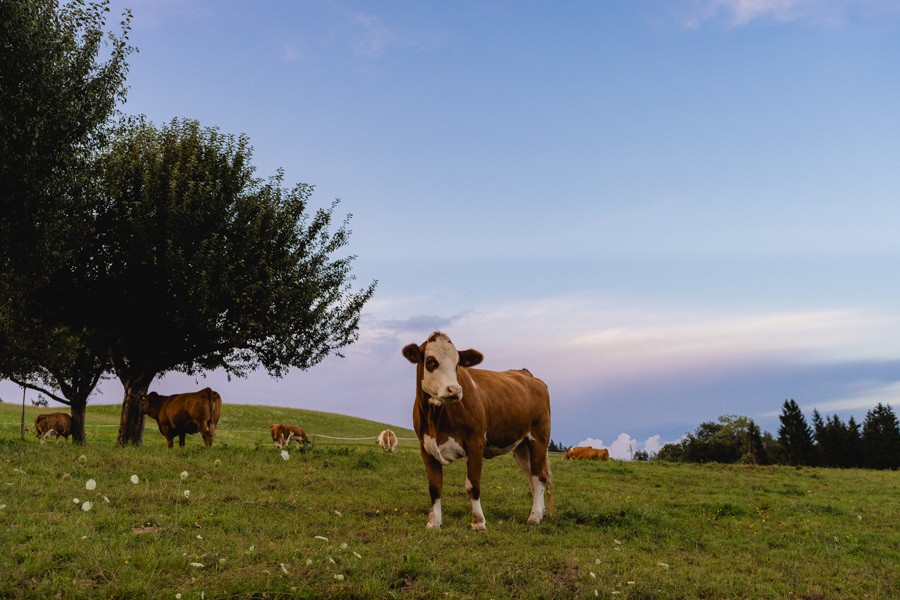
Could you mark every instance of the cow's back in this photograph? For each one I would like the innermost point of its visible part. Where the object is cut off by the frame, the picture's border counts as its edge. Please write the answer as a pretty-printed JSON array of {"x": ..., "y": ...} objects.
[{"x": 515, "y": 404}]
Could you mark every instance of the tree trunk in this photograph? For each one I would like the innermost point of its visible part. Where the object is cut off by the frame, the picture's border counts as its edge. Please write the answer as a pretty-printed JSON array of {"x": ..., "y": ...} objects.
[
  {"x": 131, "y": 423},
  {"x": 78, "y": 408}
]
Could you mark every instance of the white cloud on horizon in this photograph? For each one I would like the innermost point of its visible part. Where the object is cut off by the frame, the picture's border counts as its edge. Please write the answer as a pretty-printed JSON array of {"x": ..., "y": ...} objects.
[{"x": 624, "y": 446}]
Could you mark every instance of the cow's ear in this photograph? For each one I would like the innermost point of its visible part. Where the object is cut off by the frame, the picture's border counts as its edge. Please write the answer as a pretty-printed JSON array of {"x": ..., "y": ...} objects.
[
  {"x": 413, "y": 353},
  {"x": 470, "y": 358}
]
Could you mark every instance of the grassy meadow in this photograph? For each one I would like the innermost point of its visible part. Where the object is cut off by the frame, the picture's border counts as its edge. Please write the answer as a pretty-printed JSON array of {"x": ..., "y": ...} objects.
[{"x": 342, "y": 519}]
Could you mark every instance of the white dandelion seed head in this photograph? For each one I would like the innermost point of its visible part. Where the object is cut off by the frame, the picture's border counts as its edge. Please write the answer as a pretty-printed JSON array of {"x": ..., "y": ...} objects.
[
  {"x": 218, "y": 462},
  {"x": 76, "y": 501},
  {"x": 593, "y": 575},
  {"x": 82, "y": 459},
  {"x": 187, "y": 493},
  {"x": 184, "y": 475},
  {"x": 135, "y": 479},
  {"x": 284, "y": 569},
  {"x": 87, "y": 506},
  {"x": 343, "y": 545},
  {"x": 90, "y": 484},
  {"x": 2, "y": 507},
  {"x": 285, "y": 455},
  {"x": 198, "y": 565},
  {"x": 339, "y": 576},
  {"x": 309, "y": 561},
  {"x": 178, "y": 596}
]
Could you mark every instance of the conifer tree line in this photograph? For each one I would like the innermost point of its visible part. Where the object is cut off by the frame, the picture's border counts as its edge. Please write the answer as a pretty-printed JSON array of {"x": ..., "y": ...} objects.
[{"x": 827, "y": 442}]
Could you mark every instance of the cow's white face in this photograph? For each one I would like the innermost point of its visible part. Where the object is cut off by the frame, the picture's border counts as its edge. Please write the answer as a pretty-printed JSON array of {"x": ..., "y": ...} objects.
[{"x": 440, "y": 358}]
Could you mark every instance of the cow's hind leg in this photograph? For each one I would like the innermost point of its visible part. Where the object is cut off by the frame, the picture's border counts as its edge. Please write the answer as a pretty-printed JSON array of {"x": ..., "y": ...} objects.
[{"x": 533, "y": 462}]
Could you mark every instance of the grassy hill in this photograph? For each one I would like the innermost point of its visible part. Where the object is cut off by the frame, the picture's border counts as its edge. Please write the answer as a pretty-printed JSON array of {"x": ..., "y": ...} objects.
[{"x": 342, "y": 519}]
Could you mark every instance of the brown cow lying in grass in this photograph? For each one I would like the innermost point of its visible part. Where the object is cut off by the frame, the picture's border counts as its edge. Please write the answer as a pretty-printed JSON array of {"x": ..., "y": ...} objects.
[
  {"x": 181, "y": 414},
  {"x": 58, "y": 424},
  {"x": 587, "y": 453},
  {"x": 283, "y": 434}
]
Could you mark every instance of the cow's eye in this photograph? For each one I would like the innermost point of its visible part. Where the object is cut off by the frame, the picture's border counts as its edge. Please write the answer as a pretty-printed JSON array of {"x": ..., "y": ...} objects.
[{"x": 431, "y": 363}]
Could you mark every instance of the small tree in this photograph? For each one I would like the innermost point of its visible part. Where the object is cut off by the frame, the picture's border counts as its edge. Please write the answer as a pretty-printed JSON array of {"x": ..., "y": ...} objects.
[
  {"x": 795, "y": 435},
  {"x": 199, "y": 265},
  {"x": 881, "y": 438},
  {"x": 60, "y": 78}
]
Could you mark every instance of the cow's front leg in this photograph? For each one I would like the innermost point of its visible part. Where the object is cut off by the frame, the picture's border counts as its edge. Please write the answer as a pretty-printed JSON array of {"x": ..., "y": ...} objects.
[
  {"x": 435, "y": 473},
  {"x": 473, "y": 487}
]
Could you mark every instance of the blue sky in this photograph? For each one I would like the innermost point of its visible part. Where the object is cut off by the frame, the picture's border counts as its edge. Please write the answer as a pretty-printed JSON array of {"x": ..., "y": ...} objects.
[{"x": 669, "y": 211}]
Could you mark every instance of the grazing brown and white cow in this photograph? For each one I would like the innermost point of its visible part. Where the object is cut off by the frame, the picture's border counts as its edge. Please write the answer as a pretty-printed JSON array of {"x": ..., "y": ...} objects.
[
  {"x": 587, "y": 453},
  {"x": 477, "y": 414},
  {"x": 181, "y": 414},
  {"x": 283, "y": 434},
  {"x": 58, "y": 424},
  {"x": 387, "y": 439}
]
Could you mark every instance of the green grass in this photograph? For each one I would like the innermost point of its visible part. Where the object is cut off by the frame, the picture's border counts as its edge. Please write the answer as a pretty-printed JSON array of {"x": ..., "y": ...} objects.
[{"x": 256, "y": 522}]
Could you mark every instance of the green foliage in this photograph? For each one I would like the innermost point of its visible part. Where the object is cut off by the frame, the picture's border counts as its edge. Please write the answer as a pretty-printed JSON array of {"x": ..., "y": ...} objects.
[
  {"x": 733, "y": 439},
  {"x": 251, "y": 519},
  {"x": 60, "y": 78}
]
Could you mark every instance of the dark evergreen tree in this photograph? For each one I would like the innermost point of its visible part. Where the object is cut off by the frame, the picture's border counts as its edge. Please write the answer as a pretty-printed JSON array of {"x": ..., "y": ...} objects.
[
  {"x": 853, "y": 452},
  {"x": 795, "y": 435},
  {"x": 881, "y": 438}
]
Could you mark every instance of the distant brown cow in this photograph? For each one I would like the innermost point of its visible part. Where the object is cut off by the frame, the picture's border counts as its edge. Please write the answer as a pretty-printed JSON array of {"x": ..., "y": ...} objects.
[
  {"x": 587, "y": 453},
  {"x": 283, "y": 434},
  {"x": 58, "y": 424},
  {"x": 181, "y": 414},
  {"x": 387, "y": 439}
]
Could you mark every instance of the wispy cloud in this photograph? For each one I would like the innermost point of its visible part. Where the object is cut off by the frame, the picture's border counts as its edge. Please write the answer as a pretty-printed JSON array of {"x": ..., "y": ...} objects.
[{"x": 815, "y": 13}]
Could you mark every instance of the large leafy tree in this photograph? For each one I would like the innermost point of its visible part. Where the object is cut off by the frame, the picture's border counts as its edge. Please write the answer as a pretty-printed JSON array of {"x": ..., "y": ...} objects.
[
  {"x": 61, "y": 75},
  {"x": 795, "y": 435},
  {"x": 881, "y": 438},
  {"x": 199, "y": 265}
]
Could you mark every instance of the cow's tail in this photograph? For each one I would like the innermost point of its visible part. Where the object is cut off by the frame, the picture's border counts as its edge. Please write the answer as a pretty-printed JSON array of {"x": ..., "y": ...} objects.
[{"x": 551, "y": 507}]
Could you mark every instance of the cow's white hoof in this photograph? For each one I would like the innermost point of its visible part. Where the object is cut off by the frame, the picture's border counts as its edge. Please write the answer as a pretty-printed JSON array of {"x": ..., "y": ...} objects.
[
  {"x": 479, "y": 526},
  {"x": 535, "y": 519},
  {"x": 432, "y": 525}
]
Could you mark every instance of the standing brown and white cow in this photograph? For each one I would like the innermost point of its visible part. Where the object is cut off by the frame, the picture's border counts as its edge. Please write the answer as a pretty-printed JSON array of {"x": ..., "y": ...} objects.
[{"x": 477, "y": 414}]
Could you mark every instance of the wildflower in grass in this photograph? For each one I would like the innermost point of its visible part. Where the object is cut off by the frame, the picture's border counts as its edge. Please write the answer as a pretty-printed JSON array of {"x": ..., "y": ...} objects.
[
  {"x": 320, "y": 537},
  {"x": 663, "y": 565},
  {"x": 184, "y": 475},
  {"x": 178, "y": 596},
  {"x": 187, "y": 493},
  {"x": 338, "y": 513},
  {"x": 2, "y": 507},
  {"x": 198, "y": 565},
  {"x": 357, "y": 555},
  {"x": 86, "y": 506},
  {"x": 309, "y": 561},
  {"x": 90, "y": 484},
  {"x": 343, "y": 545},
  {"x": 76, "y": 501},
  {"x": 593, "y": 575},
  {"x": 135, "y": 479},
  {"x": 285, "y": 455},
  {"x": 218, "y": 462},
  {"x": 339, "y": 576},
  {"x": 284, "y": 569},
  {"x": 82, "y": 459}
]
